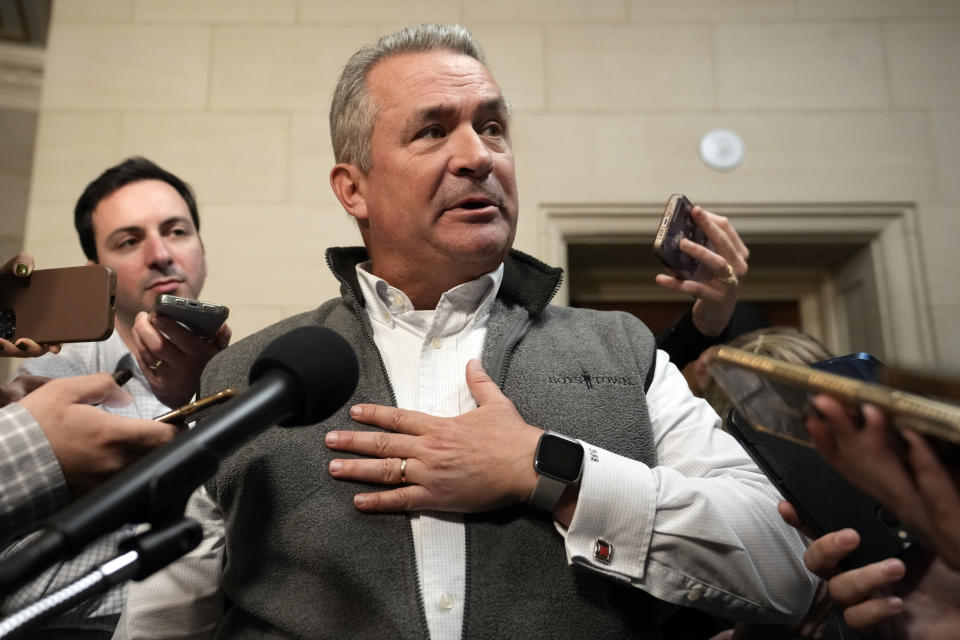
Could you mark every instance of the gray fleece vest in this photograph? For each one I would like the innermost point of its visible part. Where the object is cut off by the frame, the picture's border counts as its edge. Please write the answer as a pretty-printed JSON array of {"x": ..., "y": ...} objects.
[{"x": 303, "y": 562}]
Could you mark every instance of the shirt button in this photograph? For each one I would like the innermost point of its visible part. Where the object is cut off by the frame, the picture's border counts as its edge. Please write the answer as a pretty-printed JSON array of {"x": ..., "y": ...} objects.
[
  {"x": 398, "y": 301},
  {"x": 694, "y": 594},
  {"x": 446, "y": 602},
  {"x": 436, "y": 343}
]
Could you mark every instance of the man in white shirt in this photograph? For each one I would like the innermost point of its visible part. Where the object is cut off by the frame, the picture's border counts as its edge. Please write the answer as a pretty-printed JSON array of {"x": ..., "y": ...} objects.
[{"x": 635, "y": 483}]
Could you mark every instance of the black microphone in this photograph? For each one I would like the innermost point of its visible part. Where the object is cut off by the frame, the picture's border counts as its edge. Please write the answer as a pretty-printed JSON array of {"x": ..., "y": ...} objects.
[{"x": 300, "y": 378}]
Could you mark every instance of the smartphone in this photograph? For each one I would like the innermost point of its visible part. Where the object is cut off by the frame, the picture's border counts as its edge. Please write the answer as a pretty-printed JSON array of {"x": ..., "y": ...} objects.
[
  {"x": 69, "y": 304},
  {"x": 770, "y": 394},
  {"x": 202, "y": 318},
  {"x": 676, "y": 224},
  {"x": 823, "y": 500},
  {"x": 768, "y": 421},
  {"x": 179, "y": 416}
]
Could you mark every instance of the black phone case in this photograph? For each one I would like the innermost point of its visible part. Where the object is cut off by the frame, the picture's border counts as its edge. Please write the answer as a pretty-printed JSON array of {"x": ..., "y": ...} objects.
[{"x": 824, "y": 501}]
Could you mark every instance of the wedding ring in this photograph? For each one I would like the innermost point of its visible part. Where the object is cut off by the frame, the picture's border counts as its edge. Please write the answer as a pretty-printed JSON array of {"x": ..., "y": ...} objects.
[
  {"x": 153, "y": 366},
  {"x": 726, "y": 275},
  {"x": 403, "y": 470}
]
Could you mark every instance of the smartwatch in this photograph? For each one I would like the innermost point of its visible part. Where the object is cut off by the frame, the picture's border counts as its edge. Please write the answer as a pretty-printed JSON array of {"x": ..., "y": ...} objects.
[{"x": 559, "y": 461}]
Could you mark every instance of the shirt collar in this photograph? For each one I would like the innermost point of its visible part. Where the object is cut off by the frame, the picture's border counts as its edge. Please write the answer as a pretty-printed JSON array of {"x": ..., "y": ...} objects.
[{"x": 389, "y": 305}]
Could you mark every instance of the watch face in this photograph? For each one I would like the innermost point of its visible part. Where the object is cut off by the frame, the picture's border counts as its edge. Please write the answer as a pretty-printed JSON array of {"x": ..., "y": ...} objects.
[{"x": 560, "y": 458}]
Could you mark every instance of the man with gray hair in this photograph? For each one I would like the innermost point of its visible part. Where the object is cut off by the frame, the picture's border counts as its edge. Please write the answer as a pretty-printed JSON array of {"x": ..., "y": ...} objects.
[{"x": 547, "y": 471}]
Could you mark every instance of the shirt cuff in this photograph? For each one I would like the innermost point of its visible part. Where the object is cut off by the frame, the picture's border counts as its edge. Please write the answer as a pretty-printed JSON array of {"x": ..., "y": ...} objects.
[{"x": 612, "y": 525}]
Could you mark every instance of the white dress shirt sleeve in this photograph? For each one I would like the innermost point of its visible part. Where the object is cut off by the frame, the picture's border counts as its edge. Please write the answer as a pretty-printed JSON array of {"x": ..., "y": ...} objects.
[
  {"x": 184, "y": 600},
  {"x": 699, "y": 529}
]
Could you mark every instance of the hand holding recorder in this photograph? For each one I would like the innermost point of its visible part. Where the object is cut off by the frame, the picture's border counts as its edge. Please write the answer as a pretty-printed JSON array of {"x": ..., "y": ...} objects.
[
  {"x": 175, "y": 341},
  {"x": 706, "y": 258}
]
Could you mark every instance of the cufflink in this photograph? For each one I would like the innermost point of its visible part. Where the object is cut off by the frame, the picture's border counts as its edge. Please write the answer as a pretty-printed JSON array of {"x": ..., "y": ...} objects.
[{"x": 602, "y": 551}]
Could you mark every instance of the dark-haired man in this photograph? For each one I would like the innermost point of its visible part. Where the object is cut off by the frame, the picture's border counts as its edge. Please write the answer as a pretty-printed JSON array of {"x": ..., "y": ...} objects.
[{"x": 141, "y": 221}]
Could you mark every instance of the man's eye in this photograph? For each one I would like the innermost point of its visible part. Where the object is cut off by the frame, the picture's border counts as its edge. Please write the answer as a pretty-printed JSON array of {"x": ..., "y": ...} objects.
[
  {"x": 492, "y": 129},
  {"x": 431, "y": 132},
  {"x": 126, "y": 243}
]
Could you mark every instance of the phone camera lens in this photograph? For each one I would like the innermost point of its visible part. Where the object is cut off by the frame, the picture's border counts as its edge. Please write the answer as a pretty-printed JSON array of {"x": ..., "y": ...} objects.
[
  {"x": 8, "y": 323},
  {"x": 888, "y": 518}
]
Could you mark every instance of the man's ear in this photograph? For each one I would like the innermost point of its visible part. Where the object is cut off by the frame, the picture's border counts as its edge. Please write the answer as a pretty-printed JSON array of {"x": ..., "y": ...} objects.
[{"x": 348, "y": 184}]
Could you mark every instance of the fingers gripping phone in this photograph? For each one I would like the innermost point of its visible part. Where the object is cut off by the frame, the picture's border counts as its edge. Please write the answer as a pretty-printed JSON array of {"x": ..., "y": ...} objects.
[
  {"x": 678, "y": 223},
  {"x": 69, "y": 304},
  {"x": 202, "y": 318}
]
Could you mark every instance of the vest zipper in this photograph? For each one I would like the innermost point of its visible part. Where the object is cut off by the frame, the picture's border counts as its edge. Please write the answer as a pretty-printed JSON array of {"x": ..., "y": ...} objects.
[
  {"x": 503, "y": 360},
  {"x": 466, "y": 576},
  {"x": 358, "y": 311}
]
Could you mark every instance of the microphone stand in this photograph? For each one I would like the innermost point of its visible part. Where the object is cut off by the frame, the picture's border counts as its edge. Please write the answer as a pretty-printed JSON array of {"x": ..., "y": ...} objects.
[{"x": 146, "y": 553}]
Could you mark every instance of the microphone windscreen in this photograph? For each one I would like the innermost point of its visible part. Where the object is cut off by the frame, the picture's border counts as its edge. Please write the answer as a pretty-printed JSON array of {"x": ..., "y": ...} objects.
[{"x": 321, "y": 365}]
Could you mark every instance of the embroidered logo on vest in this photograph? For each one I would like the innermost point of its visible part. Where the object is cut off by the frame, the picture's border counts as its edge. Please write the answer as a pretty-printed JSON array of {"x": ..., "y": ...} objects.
[{"x": 592, "y": 381}]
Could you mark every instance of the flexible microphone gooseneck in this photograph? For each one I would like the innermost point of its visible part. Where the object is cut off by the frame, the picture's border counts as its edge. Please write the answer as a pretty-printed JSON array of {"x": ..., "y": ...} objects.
[{"x": 300, "y": 378}]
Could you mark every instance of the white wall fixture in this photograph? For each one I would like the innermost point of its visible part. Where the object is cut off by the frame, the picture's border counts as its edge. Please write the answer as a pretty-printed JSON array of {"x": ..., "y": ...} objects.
[{"x": 722, "y": 149}]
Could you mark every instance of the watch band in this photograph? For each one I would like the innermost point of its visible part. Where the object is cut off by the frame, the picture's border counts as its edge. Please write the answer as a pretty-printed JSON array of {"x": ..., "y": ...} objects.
[{"x": 547, "y": 492}]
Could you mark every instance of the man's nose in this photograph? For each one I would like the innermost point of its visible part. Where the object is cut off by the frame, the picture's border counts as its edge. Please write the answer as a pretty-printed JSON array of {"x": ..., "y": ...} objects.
[
  {"x": 158, "y": 253},
  {"x": 471, "y": 155}
]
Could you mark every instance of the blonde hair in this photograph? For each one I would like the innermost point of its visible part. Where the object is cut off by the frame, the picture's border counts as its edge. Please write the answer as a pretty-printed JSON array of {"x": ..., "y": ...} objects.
[{"x": 783, "y": 343}]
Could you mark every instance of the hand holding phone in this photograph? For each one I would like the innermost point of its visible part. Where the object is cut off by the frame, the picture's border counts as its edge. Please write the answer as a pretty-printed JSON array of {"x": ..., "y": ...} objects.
[
  {"x": 70, "y": 304},
  {"x": 713, "y": 274},
  {"x": 676, "y": 224},
  {"x": 202, "y": 318},
  {"x": 175, "y": 342}
]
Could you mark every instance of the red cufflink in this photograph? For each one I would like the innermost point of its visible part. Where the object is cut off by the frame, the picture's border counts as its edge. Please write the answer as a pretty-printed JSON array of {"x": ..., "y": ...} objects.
[{"x": 602, "y": 551}]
